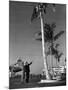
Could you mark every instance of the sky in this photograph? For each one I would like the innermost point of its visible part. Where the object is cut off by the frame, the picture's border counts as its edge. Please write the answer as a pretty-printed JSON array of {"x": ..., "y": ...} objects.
[{"x": 22, "y": 43}]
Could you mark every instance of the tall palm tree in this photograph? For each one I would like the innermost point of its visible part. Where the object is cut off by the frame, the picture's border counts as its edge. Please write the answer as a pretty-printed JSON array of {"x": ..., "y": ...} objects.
[
  {"x": 50, "y": 38},
  {"x": 39, "y": 11}
]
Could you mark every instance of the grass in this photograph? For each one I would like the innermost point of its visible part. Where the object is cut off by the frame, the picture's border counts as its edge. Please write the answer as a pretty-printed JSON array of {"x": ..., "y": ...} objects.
[{"x": 15, "y": 83}]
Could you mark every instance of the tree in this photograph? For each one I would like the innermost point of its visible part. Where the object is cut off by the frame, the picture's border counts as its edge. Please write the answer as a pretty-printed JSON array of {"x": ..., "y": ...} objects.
[
  {"x": 38, "y": 11},
  {"x": 50, "y": 38},
  {"x": 58, "y": 54}
]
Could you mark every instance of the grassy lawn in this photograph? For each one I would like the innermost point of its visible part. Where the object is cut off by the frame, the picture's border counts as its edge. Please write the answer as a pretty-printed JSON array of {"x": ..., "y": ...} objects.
[{"x": 33, "y": 82}]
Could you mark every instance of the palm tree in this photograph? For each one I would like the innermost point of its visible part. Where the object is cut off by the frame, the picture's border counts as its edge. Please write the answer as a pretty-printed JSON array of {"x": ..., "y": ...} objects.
[
  {"x": 50, "y": 38},
  {"x": 58, "y": 54},
  {"x": 38, "y": 11}
]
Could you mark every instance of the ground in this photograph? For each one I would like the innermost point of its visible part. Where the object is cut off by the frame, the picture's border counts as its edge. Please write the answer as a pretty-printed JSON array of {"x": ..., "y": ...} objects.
[{"x": 15, "y": 83}]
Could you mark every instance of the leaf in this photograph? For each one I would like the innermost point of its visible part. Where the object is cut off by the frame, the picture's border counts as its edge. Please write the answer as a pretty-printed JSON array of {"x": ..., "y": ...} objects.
[
  {"x": 35, "y": 13},
  {"x": 60, "y": 55},
  {"x": 53, "y": 25},
  {"x": 51, "y": 51},
  {"x": 39, "y": 39},
  {"x": 48, "y": 53},
  {"x": 58, "y": 35},
  {"x": 56, "y": 45},
  {"x": 39, "y": 33}
]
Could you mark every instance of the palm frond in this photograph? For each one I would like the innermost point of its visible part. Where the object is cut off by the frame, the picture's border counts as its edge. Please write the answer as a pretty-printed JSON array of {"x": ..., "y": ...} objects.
[
  {"x": 39, "y": 33},
  {"x": 53, "y": 25},
  {"x": 48, "y": 53},
  {"x": 35, "y": 13},
  {"x": 39, "y": 39},
  {"x": 58, "y": 35},
  {"x": 47, "y": 26},
  {"x": 60, "y": 55},
  {"x": 56, "y": 45}
]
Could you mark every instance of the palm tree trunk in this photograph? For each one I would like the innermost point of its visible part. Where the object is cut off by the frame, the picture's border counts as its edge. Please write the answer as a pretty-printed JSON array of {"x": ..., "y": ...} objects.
[
  {"x": 51, "y": 55},
  {"x": 58, "y": 62},
  {"x": 43, "y": 47},
  {"x": 51, "y": 59}
]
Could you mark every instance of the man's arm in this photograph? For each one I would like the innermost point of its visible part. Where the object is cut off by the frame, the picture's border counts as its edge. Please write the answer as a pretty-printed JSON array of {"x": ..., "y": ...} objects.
[{"x": 30, "y": 63}]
